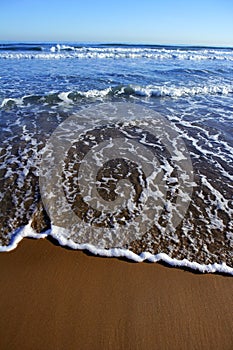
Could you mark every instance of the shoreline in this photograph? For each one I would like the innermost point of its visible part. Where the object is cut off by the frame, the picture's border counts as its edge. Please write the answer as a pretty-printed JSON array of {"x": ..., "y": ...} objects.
[
  {"x": 119, "y": 253},
  {"x": 56, "y": 298}
]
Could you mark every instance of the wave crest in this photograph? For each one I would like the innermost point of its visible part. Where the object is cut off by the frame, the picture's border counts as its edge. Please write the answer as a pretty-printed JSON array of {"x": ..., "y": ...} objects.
[
  {"x": 149, "y": 91},
  {"x": 60, "y": 51}
]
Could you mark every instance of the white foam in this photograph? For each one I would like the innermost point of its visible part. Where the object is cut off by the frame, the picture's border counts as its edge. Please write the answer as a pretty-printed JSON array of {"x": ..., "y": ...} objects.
[
  {"x": 27, "y": 231},
  {"x": 64, "y": 97},
  {"x": 95, "y": 93},
  {"x": 19, "y": 234},
  {"x": 18, "y": 101},
  {"x": 146, "y": 91},
  {"x": 65, "y": 51},
  {"x": 178, "y": 91}
]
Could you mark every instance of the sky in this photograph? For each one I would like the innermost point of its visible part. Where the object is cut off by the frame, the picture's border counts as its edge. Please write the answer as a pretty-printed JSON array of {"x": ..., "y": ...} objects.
[{"x": 199, "y": 22}]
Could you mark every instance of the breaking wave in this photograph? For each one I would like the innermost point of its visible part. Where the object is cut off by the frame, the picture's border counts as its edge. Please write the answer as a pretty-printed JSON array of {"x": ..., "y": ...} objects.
[
  {"x": 127, "y": 91},
  {"x": 122, "y": 91},
  {"x": 61, "y": 51}
]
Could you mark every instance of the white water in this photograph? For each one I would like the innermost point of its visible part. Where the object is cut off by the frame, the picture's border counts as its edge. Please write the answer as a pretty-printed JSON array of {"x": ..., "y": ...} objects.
[{"x": 27, "y": 231}]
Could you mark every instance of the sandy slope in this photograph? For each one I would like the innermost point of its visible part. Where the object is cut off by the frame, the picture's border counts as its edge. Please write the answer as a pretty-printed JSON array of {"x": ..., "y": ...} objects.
[{"x": 54, "y": 298}]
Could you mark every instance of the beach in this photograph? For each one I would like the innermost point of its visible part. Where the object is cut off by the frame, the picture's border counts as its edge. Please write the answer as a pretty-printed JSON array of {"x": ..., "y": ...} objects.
[
  {"x": 116, "y": 175},
  {"x": 52, "y": 297},
  {"x": 125, "y": 152}
]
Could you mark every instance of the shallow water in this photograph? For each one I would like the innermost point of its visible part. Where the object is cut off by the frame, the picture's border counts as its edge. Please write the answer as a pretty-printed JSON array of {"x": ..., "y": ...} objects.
[{"x": 42, "y": 86}]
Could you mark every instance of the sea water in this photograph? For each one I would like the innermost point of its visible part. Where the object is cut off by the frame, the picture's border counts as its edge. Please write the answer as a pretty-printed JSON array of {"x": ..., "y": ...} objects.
[{"x": 55, "y": 127}]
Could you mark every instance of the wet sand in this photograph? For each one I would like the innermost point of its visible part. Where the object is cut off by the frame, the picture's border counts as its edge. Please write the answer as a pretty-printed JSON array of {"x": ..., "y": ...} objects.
[{"x": 55, "y": 298}]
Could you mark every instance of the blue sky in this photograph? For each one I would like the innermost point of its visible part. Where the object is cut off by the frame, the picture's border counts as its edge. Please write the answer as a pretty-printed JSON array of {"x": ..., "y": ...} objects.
[{"x": 202, "y": 22}]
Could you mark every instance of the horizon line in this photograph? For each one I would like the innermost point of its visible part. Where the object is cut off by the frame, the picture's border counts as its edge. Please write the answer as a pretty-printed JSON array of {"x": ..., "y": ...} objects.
[{"x": 119, "y": 43}]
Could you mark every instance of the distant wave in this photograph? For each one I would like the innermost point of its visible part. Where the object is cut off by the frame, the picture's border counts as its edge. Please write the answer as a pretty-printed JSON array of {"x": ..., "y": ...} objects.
[
  {"x": 120, "y": 90},
  {"x": 59, "y": 51},
  {"x": 21, "y": 47}
]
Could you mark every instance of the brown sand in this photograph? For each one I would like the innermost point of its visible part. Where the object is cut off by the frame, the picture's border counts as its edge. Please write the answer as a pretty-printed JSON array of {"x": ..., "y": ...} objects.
[{"x": 54, "y": 298}]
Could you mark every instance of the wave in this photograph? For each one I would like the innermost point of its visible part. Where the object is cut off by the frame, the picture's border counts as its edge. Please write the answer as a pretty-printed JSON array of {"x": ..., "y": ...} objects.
[
  {"x": 61, "y": 51},
  {"x": 149, "y": 91},
  {"x": 27, "y": 231},
  {"x": 173, "y": 91},
  {"x": 19, "y": 48}
]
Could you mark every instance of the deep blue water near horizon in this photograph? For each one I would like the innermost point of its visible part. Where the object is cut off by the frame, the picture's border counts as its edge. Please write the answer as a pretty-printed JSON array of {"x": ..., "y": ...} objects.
[{"x": 41, "y": 84}]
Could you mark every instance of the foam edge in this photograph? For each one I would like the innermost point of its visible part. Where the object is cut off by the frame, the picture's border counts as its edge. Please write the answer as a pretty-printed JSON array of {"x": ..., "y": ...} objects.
[{"x": 28, "y": 232}]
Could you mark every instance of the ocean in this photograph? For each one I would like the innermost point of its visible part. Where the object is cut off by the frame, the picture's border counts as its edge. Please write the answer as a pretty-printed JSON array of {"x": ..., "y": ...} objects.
[{"x": 122, "y": 150}]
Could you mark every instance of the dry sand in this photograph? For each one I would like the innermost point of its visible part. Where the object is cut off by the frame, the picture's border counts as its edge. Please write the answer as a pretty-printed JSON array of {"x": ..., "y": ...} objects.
[{"x": 55, "y": 298}]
